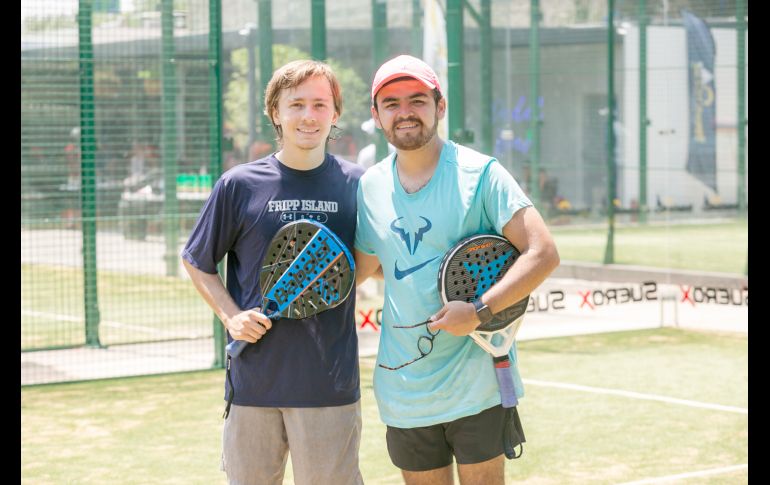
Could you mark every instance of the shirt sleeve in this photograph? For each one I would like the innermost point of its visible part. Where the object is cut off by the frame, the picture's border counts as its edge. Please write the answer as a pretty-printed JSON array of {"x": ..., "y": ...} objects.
[
  {"x": 363, "y": 224},
  {"x": 215, "y": 230},
  {"x": 503, "y": 196}
]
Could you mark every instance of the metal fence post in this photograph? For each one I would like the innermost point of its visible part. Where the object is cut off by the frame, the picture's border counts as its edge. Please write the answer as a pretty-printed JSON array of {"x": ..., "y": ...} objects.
[
  {"x": 455, "y": 51},
  {"x": 643, "y": 121},
  {"x": 265, "y": 24},
  {"x": 609, "y": 251},
  {"x": 534, "y": 94},
  {"x": 318, "y": 29},
  {"x": 215, "y": 137},
  {"x": 380, "y": 53},
  {"x": 88, "y": 171},
  {"x": 170, "y": 169},
  {"x": 741, "y": 120}
]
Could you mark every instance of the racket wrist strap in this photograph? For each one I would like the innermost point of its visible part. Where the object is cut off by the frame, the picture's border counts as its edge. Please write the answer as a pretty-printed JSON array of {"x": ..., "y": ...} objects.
[
  {"x": 231, "y": 394},
  {"x": 511, "y": 437}
]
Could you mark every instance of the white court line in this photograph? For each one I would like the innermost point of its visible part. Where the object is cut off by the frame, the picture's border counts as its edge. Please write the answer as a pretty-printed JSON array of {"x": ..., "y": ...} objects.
[
  {"x": 107, "y": 323},
  {"x": 637, "y": 395},
  {"x": 681, "y": 476}
]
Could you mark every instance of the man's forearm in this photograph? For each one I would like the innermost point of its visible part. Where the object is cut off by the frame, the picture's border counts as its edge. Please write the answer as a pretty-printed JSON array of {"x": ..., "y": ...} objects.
[
  {"x": 529, "y": 271},
  {"x": 367, "y": 265},
  {"x": 213, "y": 291}
]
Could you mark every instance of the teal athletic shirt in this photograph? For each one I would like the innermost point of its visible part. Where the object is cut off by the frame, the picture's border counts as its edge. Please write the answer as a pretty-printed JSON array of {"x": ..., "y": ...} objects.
[{"x": 469, "y": 193}]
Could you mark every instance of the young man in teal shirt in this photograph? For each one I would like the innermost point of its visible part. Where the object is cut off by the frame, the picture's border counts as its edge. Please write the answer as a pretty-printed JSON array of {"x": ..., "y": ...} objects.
[{"x": 412, "y": 207}]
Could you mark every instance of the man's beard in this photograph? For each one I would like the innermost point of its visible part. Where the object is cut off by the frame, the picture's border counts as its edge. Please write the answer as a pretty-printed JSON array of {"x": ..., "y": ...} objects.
[{"x": 411, "y": 141}]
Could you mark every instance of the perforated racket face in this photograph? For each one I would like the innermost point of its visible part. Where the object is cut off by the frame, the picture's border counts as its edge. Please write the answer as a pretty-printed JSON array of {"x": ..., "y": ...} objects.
[
  {"x": 471, "y": 267},
  {"x": 306, "y": 253}
]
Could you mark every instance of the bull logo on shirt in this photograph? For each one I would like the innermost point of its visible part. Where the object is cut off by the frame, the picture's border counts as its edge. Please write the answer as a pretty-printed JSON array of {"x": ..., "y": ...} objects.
[{"x": 406, "y": 236}]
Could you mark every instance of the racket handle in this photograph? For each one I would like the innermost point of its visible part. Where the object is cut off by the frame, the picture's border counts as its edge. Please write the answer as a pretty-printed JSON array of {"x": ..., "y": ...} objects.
[
  {"x": 235, "y": 347},
  {"x": 505, "y": 381}
]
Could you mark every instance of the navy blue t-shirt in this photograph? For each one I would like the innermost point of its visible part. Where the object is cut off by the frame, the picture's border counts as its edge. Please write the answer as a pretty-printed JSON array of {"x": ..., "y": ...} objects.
[{"x": 299, "y": 363}]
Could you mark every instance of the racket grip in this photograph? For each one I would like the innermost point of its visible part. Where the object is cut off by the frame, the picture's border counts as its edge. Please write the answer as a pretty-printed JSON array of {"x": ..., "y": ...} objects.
[
  {"x": 235, "y": 347},
  {"x": 505, "y": 381}
]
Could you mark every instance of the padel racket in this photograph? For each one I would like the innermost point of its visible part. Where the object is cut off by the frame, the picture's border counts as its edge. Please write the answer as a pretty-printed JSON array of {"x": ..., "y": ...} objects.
[
  {"x": 306, "y": 270},
  {"x": 469, "y": 269}
]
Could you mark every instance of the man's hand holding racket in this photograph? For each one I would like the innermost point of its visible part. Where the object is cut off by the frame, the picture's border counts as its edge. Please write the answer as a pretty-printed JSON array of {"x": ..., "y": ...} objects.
[
  {"x": 457, "y": 318},
  {"x": 249, "y": 325}
]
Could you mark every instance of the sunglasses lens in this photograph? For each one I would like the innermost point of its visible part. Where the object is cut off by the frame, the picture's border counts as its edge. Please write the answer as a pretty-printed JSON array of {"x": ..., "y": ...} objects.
[{"x": 425, "y": 345}]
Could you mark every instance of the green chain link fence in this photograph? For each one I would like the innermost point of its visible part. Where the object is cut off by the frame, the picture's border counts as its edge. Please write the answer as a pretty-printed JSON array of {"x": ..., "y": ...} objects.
[{"x": 123, "y": 104}]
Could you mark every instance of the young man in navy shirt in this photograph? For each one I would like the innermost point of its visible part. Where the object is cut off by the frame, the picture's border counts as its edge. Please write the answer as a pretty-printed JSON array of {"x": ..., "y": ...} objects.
[{"x": 297, "y": 388}]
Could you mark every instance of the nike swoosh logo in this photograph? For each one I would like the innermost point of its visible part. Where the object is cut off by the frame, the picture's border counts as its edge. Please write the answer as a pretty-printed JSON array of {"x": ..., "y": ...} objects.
[{"x": 399, "y": 274}]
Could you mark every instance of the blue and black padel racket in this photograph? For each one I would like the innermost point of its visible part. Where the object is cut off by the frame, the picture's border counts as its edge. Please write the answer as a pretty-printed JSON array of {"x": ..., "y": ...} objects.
[
  {"x": 306, "y": 270},
  {"x": 467, "y": 271}
]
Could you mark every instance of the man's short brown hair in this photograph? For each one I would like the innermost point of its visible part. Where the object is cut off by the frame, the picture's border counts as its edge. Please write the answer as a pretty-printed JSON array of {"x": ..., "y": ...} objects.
[{"x": 292, "y": 75}]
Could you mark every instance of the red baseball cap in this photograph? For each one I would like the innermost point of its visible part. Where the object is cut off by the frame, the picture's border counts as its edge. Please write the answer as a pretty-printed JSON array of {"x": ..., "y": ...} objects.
[{"x": 405, "y": 66}]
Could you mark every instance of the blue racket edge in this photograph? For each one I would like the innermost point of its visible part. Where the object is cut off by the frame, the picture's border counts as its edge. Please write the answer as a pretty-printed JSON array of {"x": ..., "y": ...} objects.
[
  {"x": 336, "y": 239},
  {"x": 505, "y": 381}
]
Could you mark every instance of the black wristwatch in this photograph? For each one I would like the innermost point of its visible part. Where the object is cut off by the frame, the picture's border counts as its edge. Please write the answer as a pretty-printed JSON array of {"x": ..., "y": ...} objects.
[{"x": 482, "y": 311}]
